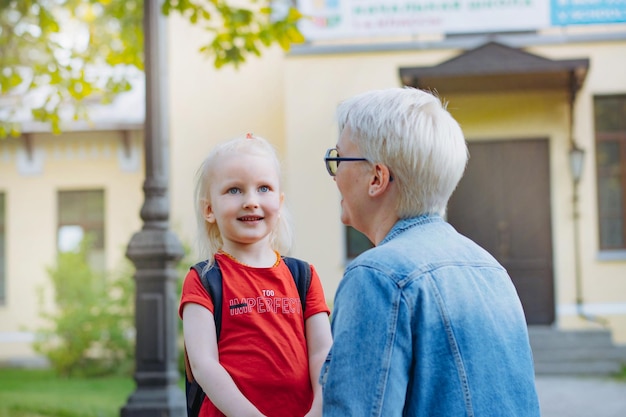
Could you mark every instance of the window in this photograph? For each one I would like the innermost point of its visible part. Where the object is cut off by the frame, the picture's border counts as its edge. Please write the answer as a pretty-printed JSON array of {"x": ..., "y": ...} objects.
[
  {"x": 81, "y": 215},
  {"x": 610, "y": 127},
  {"x": 356, "y": 243},
  {"x": 2, "y": 252}
]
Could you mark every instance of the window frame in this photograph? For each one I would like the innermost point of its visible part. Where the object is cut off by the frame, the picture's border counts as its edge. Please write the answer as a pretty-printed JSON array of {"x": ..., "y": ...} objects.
[
  {"x": 615, "y": 134},
  {"x": 89, "y": 224}
]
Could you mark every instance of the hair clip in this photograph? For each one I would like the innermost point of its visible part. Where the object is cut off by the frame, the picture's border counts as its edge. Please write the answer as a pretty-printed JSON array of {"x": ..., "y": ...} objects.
[{"x": 249, "y": 135}]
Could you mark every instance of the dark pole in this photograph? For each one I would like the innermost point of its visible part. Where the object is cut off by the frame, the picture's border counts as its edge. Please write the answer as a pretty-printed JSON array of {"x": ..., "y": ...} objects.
[{"x": 155, "y": 250}]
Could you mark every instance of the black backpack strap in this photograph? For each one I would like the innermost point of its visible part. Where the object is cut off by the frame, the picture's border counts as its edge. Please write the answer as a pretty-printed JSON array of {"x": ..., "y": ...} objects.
[
  {"x": 195, "y": 397},
  {"x": 301, "y": 272},
  {"x": 211, "y": 280}
]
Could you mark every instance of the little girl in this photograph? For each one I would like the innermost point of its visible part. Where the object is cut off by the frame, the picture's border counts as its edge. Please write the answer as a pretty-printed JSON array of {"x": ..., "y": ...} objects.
[{"x": 268, "y": 359}]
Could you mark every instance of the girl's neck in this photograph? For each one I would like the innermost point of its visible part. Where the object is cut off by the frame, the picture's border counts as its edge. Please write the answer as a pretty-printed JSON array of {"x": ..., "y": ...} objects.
[{"x": 262, "y": 259}]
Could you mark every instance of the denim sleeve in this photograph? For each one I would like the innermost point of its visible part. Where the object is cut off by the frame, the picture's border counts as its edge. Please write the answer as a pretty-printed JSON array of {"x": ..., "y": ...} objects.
[{"x": 366, "y": 372}]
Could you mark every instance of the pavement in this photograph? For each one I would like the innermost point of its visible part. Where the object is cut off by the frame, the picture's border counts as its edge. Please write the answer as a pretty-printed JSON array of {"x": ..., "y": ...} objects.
[{"x": 581, "y": 396}]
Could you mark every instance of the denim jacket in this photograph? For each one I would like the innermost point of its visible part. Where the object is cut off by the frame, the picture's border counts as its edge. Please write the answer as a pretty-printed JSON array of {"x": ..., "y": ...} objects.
[{"x": 428, "y": 324}]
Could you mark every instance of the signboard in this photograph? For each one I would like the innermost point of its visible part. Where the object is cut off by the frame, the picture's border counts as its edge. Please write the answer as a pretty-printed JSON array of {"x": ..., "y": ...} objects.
[
  {"x": 582, "y": 12},
  {"x": 334, "y": 19}
]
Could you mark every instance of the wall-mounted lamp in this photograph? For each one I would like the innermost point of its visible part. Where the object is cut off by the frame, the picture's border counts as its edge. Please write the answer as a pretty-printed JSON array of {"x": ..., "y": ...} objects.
[{"x": 576, "y": 159}]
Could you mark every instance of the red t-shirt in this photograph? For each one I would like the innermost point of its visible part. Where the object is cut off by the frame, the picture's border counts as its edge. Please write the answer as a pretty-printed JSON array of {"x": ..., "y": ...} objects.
[{"x": 262, "y": 342}]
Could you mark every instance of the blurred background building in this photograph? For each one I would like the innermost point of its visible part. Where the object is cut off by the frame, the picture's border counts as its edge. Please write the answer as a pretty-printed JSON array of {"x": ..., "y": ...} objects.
[{"x": 538, "y": 87}]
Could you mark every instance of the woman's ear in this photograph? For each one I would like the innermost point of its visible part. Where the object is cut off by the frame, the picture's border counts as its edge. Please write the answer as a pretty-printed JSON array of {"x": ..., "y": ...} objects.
[{"x": 380, "y": 180}]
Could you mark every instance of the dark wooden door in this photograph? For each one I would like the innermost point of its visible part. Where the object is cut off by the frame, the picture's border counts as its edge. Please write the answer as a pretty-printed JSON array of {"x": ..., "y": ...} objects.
[{"x": 503, "y": 204}]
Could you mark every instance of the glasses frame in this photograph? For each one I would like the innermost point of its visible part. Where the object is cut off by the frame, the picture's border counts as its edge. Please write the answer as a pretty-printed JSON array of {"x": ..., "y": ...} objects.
[{"x": 328, "y": 159}]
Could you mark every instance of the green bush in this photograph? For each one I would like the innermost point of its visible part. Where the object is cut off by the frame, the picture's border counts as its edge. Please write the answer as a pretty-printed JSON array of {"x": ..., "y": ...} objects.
[{"x": 90, "y": 333}]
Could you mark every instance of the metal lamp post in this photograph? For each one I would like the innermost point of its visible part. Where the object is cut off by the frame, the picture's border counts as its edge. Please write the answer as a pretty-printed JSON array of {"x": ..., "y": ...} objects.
[
  {"x": 576, "y": 159},
  {"x": 155, "y": 250}
]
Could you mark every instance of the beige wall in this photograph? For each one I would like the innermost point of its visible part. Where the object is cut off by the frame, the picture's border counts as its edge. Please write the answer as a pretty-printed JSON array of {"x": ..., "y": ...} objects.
[{"x": 73, "y": 161}]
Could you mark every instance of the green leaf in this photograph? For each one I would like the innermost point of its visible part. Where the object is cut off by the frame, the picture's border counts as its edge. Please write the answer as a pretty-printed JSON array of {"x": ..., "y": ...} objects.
[
  {"x": 15, "y": 131},
  {"x": 9, "y": 82},
  {"x": 47, "y": 22},
  {"x": 294, "y": 35},
  {"x": 294, "y": 15},
  {"x": 166, "y": 7}
]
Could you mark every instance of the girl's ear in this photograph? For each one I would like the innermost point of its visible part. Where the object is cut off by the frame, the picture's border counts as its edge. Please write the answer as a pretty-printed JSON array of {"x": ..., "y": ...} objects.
[{"x": 209, "y": 216}]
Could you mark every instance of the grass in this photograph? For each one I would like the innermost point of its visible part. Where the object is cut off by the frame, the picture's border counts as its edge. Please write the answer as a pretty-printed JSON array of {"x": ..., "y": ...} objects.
[{"x": 39, "y": 393}]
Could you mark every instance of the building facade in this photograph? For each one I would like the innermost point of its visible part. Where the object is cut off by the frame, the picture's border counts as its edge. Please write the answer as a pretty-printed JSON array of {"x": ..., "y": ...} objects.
[{"x": 525, "y": 96}]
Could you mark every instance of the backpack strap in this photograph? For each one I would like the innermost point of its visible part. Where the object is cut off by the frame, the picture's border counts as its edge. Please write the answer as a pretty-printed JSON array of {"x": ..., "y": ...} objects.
[
  {"x": 301, "y": 273},
  {"x": 211, "y": 280}
]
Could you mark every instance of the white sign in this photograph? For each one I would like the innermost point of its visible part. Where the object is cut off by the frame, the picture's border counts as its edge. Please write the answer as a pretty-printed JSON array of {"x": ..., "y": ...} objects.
[{"x": 332, "y": 19}]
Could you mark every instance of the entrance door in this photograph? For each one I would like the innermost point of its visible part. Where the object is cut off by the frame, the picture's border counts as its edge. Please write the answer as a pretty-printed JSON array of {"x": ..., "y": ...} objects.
[{"x": 503, "y": 204}]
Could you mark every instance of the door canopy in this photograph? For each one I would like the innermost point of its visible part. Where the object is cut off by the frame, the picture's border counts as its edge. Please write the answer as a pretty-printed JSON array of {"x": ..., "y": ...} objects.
[{"x": 494, "y": 67}]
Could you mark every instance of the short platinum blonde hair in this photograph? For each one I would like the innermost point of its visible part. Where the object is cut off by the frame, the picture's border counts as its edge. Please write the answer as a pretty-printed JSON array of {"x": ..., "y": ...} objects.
[
  {"x": 209, "y": 237},
  {"x": 411, "y": 132}
]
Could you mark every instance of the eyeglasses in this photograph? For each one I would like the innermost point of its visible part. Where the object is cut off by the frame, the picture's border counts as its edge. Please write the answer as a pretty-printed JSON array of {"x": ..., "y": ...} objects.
[{"x": 332, "y": 160}]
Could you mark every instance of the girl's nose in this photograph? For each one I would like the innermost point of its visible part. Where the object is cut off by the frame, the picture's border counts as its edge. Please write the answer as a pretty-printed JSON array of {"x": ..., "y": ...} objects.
[{"x": 250, "y": 202}]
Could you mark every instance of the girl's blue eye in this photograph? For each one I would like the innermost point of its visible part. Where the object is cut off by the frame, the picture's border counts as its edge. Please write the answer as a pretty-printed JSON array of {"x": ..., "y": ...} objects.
[
  {"x": 233, "y": 190},
  {"x": 264, "y": 189}
]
